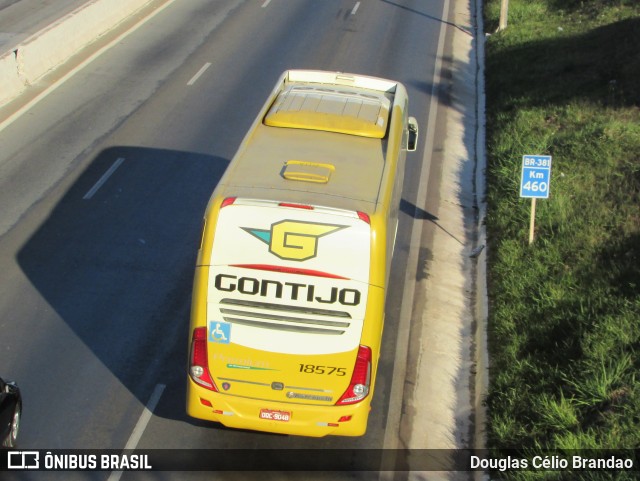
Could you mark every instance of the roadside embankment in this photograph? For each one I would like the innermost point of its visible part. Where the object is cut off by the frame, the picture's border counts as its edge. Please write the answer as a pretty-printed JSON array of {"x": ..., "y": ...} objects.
[
  {"x": 444, "y": 394},
  {"x": 564, "y": 336}
]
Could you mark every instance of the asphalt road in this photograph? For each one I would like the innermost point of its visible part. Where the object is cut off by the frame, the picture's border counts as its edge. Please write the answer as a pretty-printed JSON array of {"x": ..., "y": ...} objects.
[{"x": 96, "y": 277}]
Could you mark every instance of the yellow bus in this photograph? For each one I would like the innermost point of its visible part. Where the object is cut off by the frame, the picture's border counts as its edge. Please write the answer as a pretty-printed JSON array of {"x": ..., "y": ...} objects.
[{"x": 293, "y": 266}]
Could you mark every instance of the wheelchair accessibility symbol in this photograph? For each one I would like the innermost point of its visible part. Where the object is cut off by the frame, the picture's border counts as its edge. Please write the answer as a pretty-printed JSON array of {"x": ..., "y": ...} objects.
[{"x": 219, "y": 332}]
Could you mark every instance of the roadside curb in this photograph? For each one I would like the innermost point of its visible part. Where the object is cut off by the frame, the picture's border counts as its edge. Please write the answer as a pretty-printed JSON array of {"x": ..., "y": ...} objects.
[{"x": 481, "y": 313}]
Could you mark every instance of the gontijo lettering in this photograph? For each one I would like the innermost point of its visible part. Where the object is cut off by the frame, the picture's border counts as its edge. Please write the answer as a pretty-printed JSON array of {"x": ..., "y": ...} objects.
[{"x": 293, "y": 291}]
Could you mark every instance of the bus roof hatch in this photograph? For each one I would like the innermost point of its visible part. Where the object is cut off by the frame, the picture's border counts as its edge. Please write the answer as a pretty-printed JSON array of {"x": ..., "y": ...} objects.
[{"x": 307, "y": 171}]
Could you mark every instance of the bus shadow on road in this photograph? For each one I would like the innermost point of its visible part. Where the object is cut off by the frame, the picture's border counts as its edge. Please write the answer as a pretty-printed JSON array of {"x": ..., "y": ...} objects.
[{"x": 115, "y": 260}]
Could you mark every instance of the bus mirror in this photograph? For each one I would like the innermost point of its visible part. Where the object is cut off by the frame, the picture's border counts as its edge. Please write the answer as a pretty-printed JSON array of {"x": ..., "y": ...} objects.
[{"x": 412, "y": 142}]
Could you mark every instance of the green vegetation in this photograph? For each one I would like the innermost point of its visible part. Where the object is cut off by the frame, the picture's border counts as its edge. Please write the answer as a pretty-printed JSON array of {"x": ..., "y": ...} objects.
[{"x": 564, "y": 321}]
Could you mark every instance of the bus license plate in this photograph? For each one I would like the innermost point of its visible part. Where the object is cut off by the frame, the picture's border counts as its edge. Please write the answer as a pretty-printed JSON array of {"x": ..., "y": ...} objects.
[{"x": 273, "y": 415}]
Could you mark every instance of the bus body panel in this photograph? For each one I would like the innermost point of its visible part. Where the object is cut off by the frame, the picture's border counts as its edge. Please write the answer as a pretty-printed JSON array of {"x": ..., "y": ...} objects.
[{"x": 294, "y": 262}]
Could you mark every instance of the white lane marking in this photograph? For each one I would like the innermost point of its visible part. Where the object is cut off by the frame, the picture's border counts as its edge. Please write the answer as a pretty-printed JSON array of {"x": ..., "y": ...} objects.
[
  {"x": 355, "y": 9},
  {"x": 134, "y": 439},
  {"x": 199, "y": 73},
  {"x": 103, "y": 179},
  {"x": 264, "y": 5}
]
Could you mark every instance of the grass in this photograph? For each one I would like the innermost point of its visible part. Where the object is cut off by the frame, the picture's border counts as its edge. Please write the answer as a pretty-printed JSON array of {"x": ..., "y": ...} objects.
[{"x": 564, "y": 316}]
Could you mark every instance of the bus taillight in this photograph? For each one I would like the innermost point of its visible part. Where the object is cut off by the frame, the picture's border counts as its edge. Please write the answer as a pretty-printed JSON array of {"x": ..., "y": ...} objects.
[
  {"x": 228, "y": 201},
  {"x": 364, "y": 217},
  {"x": 360, "y": 379},
  {"x": 198, "y": 363}
]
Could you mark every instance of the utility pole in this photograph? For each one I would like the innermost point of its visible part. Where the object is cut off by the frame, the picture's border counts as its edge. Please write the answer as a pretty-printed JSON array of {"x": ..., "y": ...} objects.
[{"x": 504, "y": 13}]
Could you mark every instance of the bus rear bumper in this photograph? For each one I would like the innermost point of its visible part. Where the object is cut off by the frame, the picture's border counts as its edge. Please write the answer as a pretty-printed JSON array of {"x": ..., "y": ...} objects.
[{"x": 277, "y": 417}]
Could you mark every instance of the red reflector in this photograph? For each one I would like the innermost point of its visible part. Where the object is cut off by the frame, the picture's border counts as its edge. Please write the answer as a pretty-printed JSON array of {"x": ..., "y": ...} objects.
[
  {"x": 364, "y": 217},
  {"x": 295, "y": 206},
  {"x": 289, "y": 270},
  {"x": 344, "y": 419},
  {"x": 228, "y": 201},
  {"x": 205, "y": 402},
  {"x": 363, "y": 363},
  {"x": 198, "y": 362}
]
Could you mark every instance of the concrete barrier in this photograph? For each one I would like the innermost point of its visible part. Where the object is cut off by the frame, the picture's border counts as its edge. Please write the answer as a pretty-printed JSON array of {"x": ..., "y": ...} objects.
[
  {"x": 55, "y": 44},
  {"x": 10, "y": 83}
]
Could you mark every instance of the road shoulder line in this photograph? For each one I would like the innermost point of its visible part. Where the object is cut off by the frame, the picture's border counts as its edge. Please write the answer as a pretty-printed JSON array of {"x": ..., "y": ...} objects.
[{"x": 141, "y": 425}]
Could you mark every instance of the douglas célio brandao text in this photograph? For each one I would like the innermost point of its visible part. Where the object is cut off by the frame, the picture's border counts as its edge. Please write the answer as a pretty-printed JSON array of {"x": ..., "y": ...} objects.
[{"x": 550, "y": 463}]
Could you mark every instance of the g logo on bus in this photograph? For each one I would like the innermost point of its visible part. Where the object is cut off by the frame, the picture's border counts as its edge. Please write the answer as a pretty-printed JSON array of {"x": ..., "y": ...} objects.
[{"x": 294, "y": 240}]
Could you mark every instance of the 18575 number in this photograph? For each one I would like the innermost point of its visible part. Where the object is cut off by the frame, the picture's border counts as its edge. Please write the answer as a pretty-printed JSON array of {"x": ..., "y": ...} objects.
[{"x": 329, "y": 370}]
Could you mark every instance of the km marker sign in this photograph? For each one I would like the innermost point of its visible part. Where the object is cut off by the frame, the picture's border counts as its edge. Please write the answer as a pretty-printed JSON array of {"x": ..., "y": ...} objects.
[
  {"x": 534, "y": 182},
  {"x": 536, "y": 176}
]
